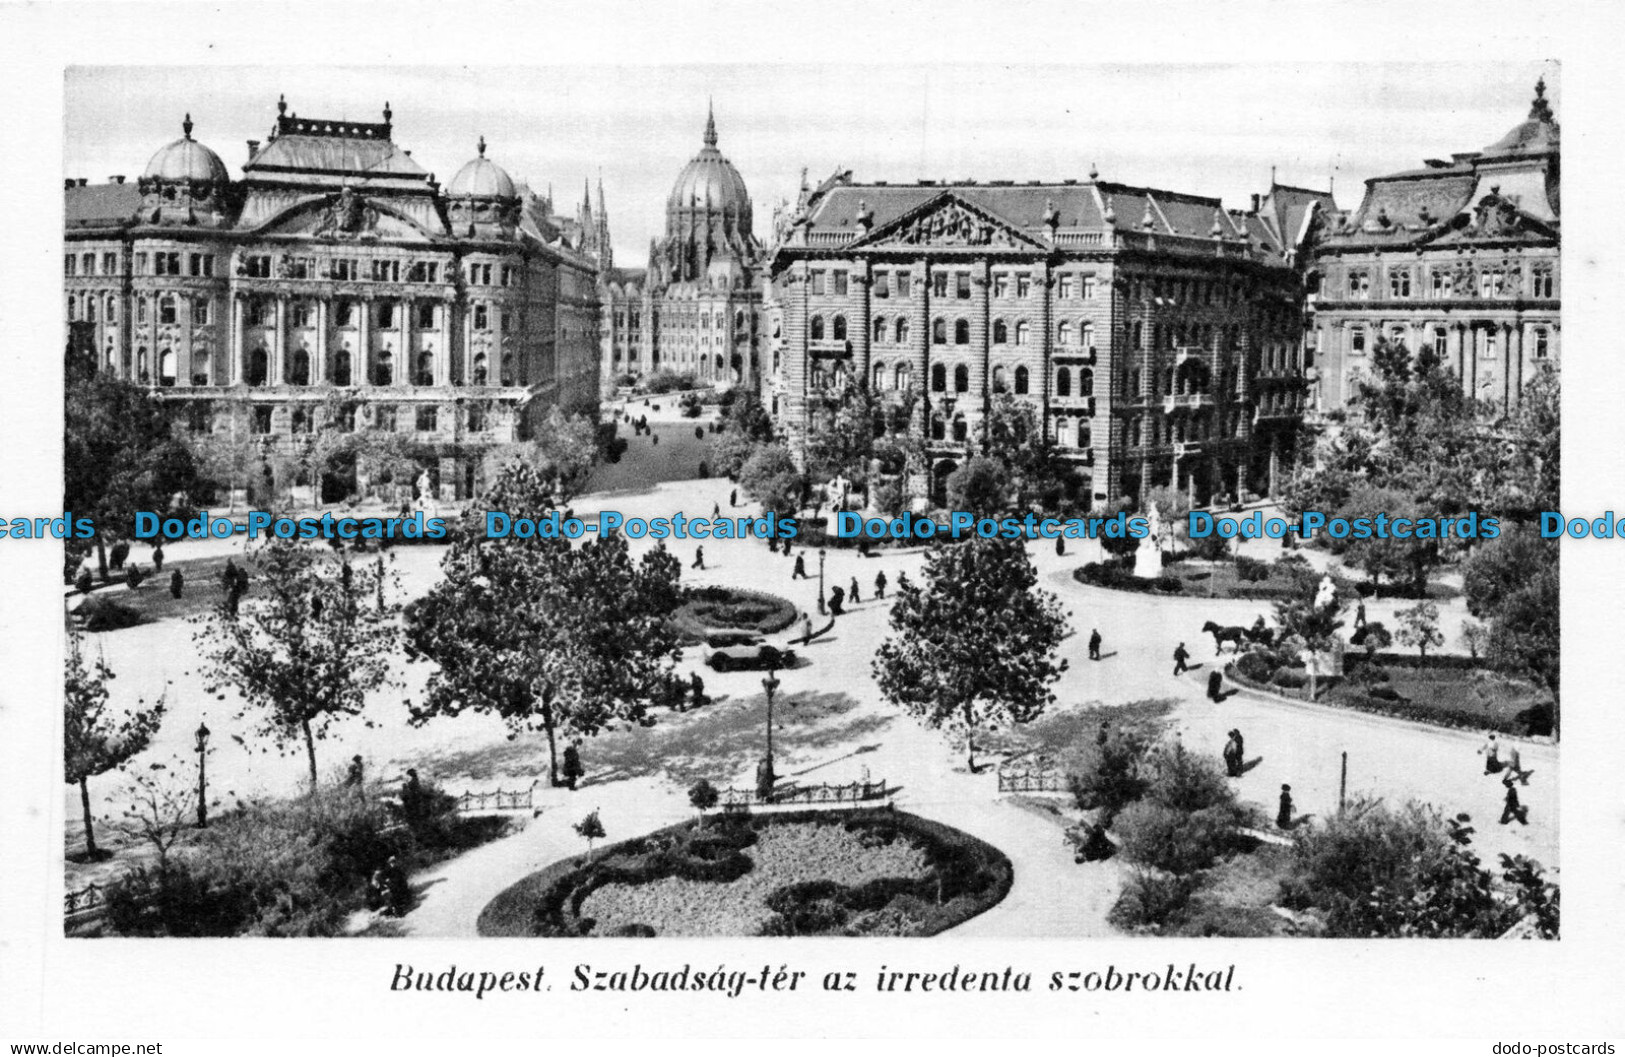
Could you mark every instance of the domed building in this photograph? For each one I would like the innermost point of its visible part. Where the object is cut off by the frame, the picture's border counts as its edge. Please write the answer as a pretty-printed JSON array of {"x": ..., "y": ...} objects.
[
  {"x": 697, "y": 309},
  {"x": 335, "y": 287}
]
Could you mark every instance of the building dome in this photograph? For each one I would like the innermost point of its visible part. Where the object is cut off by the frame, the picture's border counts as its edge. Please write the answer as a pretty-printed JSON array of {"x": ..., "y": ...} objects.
[
  {"x": 482, "y": 178},
  {"x": 187, "y": 159},
  {"x": 709, "y": 182},
  {"x": 1537, "y": 135}
]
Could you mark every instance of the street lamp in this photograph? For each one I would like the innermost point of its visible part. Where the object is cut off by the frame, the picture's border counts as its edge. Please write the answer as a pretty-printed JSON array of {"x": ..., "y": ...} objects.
[
  {"x": 821, "y": 609},
  {"x": 764, "y": 770},
  {"x": 202, "y": 782}
]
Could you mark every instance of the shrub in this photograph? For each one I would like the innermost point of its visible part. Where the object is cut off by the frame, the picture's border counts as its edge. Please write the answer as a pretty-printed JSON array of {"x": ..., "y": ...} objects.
[
  {"x": 1213, "y": 548},
  {"x": 1152, "y": 900},
  {"x": 1291, "y": 678},
  {"x": 1180, "y": 779},
  {"x": 1109, "y": 777},
  {"x": 1255, "y": 666},
  {"x": 101, "y": 613},
  {"x": 1251, "y": 569},
  {"x": 1180, "y": 842},
  {"x": 82, "y": 583}
]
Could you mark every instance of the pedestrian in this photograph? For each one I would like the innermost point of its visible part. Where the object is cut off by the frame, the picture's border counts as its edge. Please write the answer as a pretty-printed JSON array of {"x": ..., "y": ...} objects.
[
  {"x": 412, "y": 796},
  {"x": 1214, "y": 682},
  {"x": 880, "y": 584},
  {"x": 352, "y": 777},
  {"x": 1491, "y": 751},
  {"x": 863, "y": 548},
  {"x": 1515, "y": 765},
  {"x": 696, "y": 687},
  {"x": 800, "y": 572},
  {"x": 157, "y": 557},
  {"x": 1229, "y": 754},
  {"x": 699, "y": 558},
  {"x": 1283, "y": 817},
  {"x": 704, "y": 472},
  {"x": 773, "y": 545},
  {"x": 716, "y": 511},
  {"x": 1513, "y": 809},
  {"x": 806, "y": 628},
  {"x": 1359, "y": 614},
  {"x": 1181, "y": 655},
  {"x": 1060, "y": 546},
  {"x": 228, "y": 576},
  {"x": 733, "y": 497},
  {"x": 119, "y": 552},
  {"x": 837, "y": 598},
  {"x": 1094, "y": 644},
  {"x": 853, "y": 591},
  {"x": 133, "y": 576},
  {"x": 902, "y": 582},
  {"x": 177, "y": 582},
  {"x": 573, "y": 771},
  {"x": 654, "y": 440},
  {"x": 1241, "y": 745},
  {"x": 397, "y": 894}
]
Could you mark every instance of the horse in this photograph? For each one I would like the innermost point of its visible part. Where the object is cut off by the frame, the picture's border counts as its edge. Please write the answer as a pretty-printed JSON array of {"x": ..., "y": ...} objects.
[
  {"x": 1233, "y": 634},
  {"x": 1260, "y": 636}
]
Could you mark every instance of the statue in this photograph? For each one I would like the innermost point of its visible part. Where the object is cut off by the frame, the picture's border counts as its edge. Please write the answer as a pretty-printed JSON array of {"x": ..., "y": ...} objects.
[
  {"x": 426, "y": 501},
  {"x": 1148, "y": 555},
  {"x": 1326, "y": 593}
]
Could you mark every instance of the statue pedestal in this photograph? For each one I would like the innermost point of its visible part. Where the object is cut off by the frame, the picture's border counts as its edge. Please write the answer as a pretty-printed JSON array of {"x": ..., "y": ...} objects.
[{"x": 1147, "y": 561}]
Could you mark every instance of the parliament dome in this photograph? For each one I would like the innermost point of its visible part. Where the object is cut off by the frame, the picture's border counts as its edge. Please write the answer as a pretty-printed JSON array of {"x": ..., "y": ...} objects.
[
  {"x": 709, "y": 182},
  {"x": 187, "y": 159}
]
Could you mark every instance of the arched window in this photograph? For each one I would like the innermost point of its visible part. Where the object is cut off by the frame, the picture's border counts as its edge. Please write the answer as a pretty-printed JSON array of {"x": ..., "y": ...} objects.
[
  {"x": 840, "y": 328},
  {"x": 1063, "y": 431},
  {"x": 961, "y": 379},
  {"x": 939, "y": 332},
  {"x": 1063, "y": 382},
  {"x": 384, "y": 370},
  {"x": 1021, "y": 332},
  {"x": 341, "y": 367},
  {"x": 1001, "y": 332},
  {"x": 939, "y": 378},
  {"x": 961, "y": 332},
  {"x": 166, "y": 309},
  {"x": 73, "y": 308},
  {"x": 905, "y": 377},
  {"x": 90, "y": 308},
  {"x": 300, "y": 375},
  {"x": 817, "y": 328},
  {"x": 939, "y": 431},
  {"x": 961, "y": 429},
  {"x": 259, "y": 368},
  {"x": 1086, "y": 381},
  {"x": 880, "y": 376},
  {"x": 141, "y": 374},
  {"x": 344, "y": 314},
  {"x": 167, "y": 367},
  {"x": 998, "y": 380},
  {"x": 1063, "y": 333},
  {"x": 1083, "y": 434},
  {"x": 902, "y": 330},
  {"x": 1086, "y": 336},
  {"x": 425, "y": 368},
  {"x": 482, "y": 370},
  {"x": 1021, "y": 381},
  {"x": 880, "y": 329}
]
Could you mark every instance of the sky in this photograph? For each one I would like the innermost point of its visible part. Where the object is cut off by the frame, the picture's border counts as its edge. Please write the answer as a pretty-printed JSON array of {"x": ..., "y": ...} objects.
[{"x": 1202, "y": 129}]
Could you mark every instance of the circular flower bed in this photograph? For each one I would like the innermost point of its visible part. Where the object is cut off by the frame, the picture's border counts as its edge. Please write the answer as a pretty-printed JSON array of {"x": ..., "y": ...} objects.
[
  {"x": 807, "y": 873},
  {"x": 708, "y": 610}
]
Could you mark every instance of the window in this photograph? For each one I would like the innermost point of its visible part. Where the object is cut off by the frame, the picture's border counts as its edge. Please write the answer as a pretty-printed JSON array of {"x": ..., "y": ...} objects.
[
  {"x": 255, "y": 265},
  {"x": 482, "y": 318},
  {"x": 1086, "y": 381},
  {"x": 961, "y": 429},
  {"x": 816, "y": 329},
  {"x": 425, "y": 369},
  {"x": 345, "y": 270},
  {"x": 905, "y": 377},
  {"x": 1063, "y": 287},
  {"x": 902, "y": 284},
  {"x": 428, "y": 419},
  {"x": 961, "y": 379},
  {"x": 1357, "y": 341},
  {"x": 422, "y": 272},
  {"x": 70, "y": 264},
  {"x": 386, "y": 314},
  {"x": 1399, "y": 283},
  {"x": 384, "y": 418},
  {"x": 507, "y": 321},
  {"x": 962, "y": 286},
  {"x": 1441, "y": 342},
  {"x": 1001, "y": 285},
  {"x": 1024, "y": 284},
  {"x": 482, "y": 372},
  {"x": 1359, "y": 285},
  {"x": 141, "y": 310},
  {"x": 1021, "y": 381},
  {"x": 1088, "y": 288},
  {"x": 261, "y": 422},
  {"x": 302, "y": 268},
  {"x": 1543, "y": 344},
  {"x": 476, "y": 419},
  {"x": 112, "y": 308},
  {"x": 344, "y": 313},
  {"x": 879, "y": 377},
  {"x": 939, "y": 284},
  {"x": 1490, "y": 282},
  {"x": 166, "y": 309},
  {"x": 1001, "y": 332},
  {"x": 201, "y": 264},
  {"x": 1134, "y": 382},
  {"x": 1543, "y": 285},
  {"x": 939, "y": 332},
  {"x": 1021, "y": 332},
  {"x": 90, "y": 308},
  {"x": 479, "y": 274},
  {"x": 73, "y": 308},
  {"x": 839, "y": 325},
  {"x": 998, "y": 380},
  {"x": 881, "y": 284},
  {"x": 383, "y": 372},
  {"x": 200, "y": 312},
  {"x": 880, "y": 329},
  {"x": 840, "y": 284},
  {"x": 1063, "y": 333},
  {"x": 170, "y": 264},
  {"x": 109, "y": 264},
  {"x": 939, "y": 378},
  {"x": 510, "y": 275},
  {"x": 1063, "y": 382},
  {"x": 1086, "y": 336},
  {"x": 938, "y": 429},
  {"x": 961, "y": 332},
  {"x": 299, "y": 373},
  {"x": 1084, "y": 438},
  {"x": 902, "y": 330},
  {"x": 257, "y": 312}
]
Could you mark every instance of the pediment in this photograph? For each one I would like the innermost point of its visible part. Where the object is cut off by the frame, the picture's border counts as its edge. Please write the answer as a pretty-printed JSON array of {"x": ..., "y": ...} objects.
[
  {"x": 949, "y": 222},
  {"x": 346, "y": 216}
]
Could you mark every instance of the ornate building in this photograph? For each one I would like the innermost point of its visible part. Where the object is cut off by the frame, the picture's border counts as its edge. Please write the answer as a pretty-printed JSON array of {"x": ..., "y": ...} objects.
[
  {"x": 1156, "y": 336},
  {"x": 1459, "y": 256},
  {"x": 337, "y": 285},
  {"x": 698, "y": 306}
]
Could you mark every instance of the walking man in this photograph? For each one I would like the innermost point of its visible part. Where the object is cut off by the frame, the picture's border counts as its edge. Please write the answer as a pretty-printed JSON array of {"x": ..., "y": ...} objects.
[
  {"x": 1094, "y": 644},
  {"x": 733, "y": 497},
  {"x": 1283, "y": 817},
  {"x": 158, "y": 558},
  {"x": 853, "y": 591},
  {"x": 1359, "y": 614},
  {"x": 806, "y": 628},
  {"x": 1181, "y": 655},
  {"x": 699, "y": 558},
  {"x": 1491, "y": 751},
  {"x": 880, "y": 584},
  {"x": 1513, "y": 808},
  {"x": 352, "y": 778},
  {"x": 1214, "y": 682},
  {"x": 800, "y": 572}
]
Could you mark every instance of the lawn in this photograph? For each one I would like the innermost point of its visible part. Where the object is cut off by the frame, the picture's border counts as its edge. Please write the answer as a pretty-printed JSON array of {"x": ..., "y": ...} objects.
[{"x": 152, "y": 601}]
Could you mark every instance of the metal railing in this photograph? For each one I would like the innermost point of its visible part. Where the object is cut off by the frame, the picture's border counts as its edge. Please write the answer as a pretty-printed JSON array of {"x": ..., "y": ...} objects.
[
  {"x": 1032, "y": 782},
  {"x": 850, "y": 793},
  {"x": 498, "y": 800}
]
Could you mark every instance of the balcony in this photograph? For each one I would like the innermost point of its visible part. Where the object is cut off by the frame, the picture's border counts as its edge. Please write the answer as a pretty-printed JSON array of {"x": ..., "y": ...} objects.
[
  {"x": 1285, "y": 414},
  {"x": 1184, "y": 353},
  {"x": 1184, "y": 449},
  {"x": 1186, "y": 402}
]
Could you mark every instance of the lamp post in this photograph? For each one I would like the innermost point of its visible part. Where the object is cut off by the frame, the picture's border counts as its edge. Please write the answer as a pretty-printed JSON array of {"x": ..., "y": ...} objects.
[
  {"x": 202, "y": 780},
  {"x": 764, "y": 772},
  {"x": 821, "y": 609}
]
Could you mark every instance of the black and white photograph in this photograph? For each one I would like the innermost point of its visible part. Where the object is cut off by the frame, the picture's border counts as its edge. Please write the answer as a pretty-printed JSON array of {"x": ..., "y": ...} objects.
[{"x": 1057, "y": 532}]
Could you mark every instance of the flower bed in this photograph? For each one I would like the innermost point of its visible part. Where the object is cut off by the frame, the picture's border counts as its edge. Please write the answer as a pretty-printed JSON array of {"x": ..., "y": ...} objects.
[
  {"x": 858, "y": 873},
  {"x": 706, "y": 610}
]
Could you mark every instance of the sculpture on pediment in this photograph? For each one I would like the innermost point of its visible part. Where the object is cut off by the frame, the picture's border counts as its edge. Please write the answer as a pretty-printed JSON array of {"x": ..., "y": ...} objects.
[
  {"x": 954, "y": 225},
  {"x": 1462, "y": 278},
  {"x": 348, "y": 215}
]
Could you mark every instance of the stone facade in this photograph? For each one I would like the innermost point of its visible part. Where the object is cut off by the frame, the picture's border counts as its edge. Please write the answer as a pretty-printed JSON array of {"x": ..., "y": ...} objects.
[
  {"x": 1460, "y": 256},
  {"x": 336, "y": 285},
  {"x": 1157, "y": 336}
]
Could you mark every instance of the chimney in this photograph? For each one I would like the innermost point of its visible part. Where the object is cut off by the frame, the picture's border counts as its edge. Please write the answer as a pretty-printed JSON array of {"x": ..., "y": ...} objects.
[
  {"x": 84, "y": 181},
  {"x": 118, "y": 179},
  {"x": 1255, "y": 203},
  {"x": 67, "y": 184},
  {"x": 253, "y": 148}
]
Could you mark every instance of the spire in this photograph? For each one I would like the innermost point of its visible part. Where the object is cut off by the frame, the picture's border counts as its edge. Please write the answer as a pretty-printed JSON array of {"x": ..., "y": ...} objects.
[
  {"x": 603, "y": 213},
  {"x": 710, "y": 124},
  {"x": 586, "y": 197},
  {"x": 1540, "y": 109},
  {"x": 186, "y": 126}
]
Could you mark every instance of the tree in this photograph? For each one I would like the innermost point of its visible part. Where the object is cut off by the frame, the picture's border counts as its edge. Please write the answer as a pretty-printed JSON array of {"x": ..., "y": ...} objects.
[
  {"x": 120, "y": 456},
  {"x": 161, "y": 810},
  {"x": 1015, "y": 438},
  {"x": 566, "y": 639},
  {"x": 565, "y": 451},
  {"x": 1408, "y": 560},
  {"x": 317, "y": 641},
  {"x": 591, "y": 828},
  {"x": 704, "y": 796},
  {"x": 744, "y": 426},
  {"x": 975, "y": 644},
  {"x": 1513, "y": 583},
  {"x": 93, "y": 741},
  {"x": 978, "y": 487},
  {"x": 1419, "y": 627},
  {"x": 772, "y": 477}
]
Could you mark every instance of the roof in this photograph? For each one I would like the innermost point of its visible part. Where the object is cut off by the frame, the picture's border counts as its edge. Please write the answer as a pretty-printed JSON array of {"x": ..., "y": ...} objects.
[
  {"x": 333, "y": 156},
  {"x": 100, "y": 205}
]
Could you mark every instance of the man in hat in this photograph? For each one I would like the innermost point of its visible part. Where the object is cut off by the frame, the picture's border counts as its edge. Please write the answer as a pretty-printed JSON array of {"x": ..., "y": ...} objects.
[
  {"x": 1181, "y": 655},
  {"x": 1094, "y": 644},
  {"x": 880, "y": 584},
  {"x": 800, "y": 571},
  {"x": 1513, "y": 809},
  {"x": 1283, "y": 817},
  {"x": 352, "y": 778},
  {"x": 852, "y": 591}
]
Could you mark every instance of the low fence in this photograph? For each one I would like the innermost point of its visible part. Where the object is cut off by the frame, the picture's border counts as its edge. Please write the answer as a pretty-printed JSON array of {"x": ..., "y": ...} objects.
[
  {"x": 498, "y": 800},
  {"x": 1032, "y": 782},
  {"x": 83, "y": 906},
  {"x": 852, "y": 793}
]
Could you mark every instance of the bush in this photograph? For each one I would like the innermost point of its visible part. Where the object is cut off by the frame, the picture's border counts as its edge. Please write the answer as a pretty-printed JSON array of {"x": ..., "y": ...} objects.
[
  {"x": 1256, "y": 666},
  {"x": 1180, "y": 842},
  {"x": 666, "y": 380},
  {"x": 1290, "y": 678},
  {"x": 1251, "y": 569},
  {"x": 101, "y": 613},
  {"x": 1212, "y": 548},
  {"x": 1180, "y": 779},
  {"x": 1110, "y": 777},
  {"x": 1152, "y": 900},
  {"x": 82, "y": 583}
]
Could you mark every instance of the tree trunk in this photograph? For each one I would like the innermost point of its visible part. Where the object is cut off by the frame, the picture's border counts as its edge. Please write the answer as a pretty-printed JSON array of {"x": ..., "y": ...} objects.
[
  {"x": 970, "y": 740},
  {"x": 101, "y": 558},
  {"x": 310, "y": 751},
  {"x": 90, "y": 829},
  {"x": 552, "y": 749}
]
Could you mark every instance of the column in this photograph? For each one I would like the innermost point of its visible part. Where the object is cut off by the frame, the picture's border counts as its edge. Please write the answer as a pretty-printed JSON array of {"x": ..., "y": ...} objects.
[
  {"x": 860, "y": 331},
  {"x": 279, "y": 344},
  {"x": 443, "y": 307},
  {"x": 318, "y": 368},
  {"x": 363, "y": 358},
  {"x": 981, "y": 342},
  {"x": 492, "y": 375},
  {"x": 1515, "y": 365},
  {"x": 1275, "y": 464},
  {"x": 1454, "y": 351},
  {"x": 920, "y": 338},
  {"x": 236, "y": 339},
  {"x": 442, "y": 359}
]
